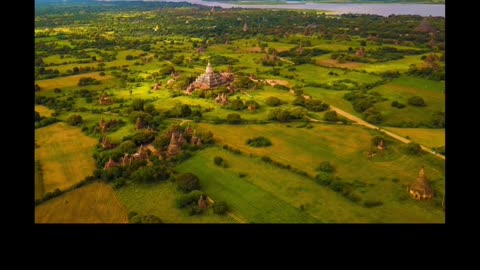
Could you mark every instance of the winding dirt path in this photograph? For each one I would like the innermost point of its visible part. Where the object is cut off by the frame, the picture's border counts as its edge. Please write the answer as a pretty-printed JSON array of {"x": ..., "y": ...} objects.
[{"x": 391, "y": 134}]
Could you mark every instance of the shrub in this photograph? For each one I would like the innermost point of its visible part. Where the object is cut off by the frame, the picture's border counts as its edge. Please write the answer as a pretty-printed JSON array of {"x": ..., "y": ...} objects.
[
  {"x": 371, "y": 203},
  {"x": 330, "y": 116},
  {"x": 324, "y": 179},
  {"x": 188, "y": 199},
  {"x": 220, "y": 208},
  {"x": 326, "y": 166},
  {"x": 273, "y": 101},
  {"x": 74, "y": 120},
  {"x": 87, "y": 81},
  {"x": 151, "y": 219},
  {"x": 416, "y": 101},
  {"x": 234, "y": 118},
  {"x": 412, "y": 148},
  {"x": 118, "y": 183},
  {"x": 218, "y": 161},
  {"x": 259, "y": 142},
  {"x": 397, "y": 104},
  {"x": 266, "y": 159},
  {"x": 187, "y": 182},
  {"x": 354, "y": 197}
]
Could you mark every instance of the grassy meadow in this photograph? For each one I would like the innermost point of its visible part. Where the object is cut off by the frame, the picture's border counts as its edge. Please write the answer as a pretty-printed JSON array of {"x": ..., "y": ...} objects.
[
  {"x": 93, "y": 203},
  {"x": 405, "y": 87},
  {"x": 268, "y": 194},
  {"x": 159, "y": 200},
  {"x": 424, "y": 136},
  {"x": 65, "y": 154}
]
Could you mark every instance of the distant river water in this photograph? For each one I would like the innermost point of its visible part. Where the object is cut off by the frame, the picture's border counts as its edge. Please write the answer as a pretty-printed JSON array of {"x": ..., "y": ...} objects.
[{"x": 376, "y": 9}]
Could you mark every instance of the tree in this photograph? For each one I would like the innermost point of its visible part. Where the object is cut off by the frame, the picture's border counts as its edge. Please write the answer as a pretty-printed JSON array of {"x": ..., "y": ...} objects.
[
  {"x": 234, "y": 118},
  {"x": 218, "y": 161},
  {"x": 330, "y": 116},
  {"x": 151, "y": 174},
  {"x": 87, "y": 81},
  {"x": 220, "y": 208},
  {"x": 137, "y": 104},
  {"x": 326, "y": 166},
  {"x": 74, "y": 120},
  {"x": 412, "y": 148},
  {"x": 37, "y": 116},
  {"x": 187, "y": 182},
  {"x": 273, "y": 101},
  {"x": 237, "y": 104},
  {"x": 416, "y": 101},
  {"x": 397, "y": 104},
  {"x": 283, "y": 116}
]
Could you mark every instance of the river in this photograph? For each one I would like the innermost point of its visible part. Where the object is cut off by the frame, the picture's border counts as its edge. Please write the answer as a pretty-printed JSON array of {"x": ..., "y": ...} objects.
[{"x": 376, "y": 9}]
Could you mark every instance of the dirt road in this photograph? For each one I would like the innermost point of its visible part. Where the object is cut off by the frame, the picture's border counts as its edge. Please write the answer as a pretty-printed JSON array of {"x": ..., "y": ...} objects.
[{"x": 393, "y": 135}]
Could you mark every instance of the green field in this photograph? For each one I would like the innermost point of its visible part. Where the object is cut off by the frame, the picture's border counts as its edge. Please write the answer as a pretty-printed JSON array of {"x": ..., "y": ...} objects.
[
  {"x": 288, "y": 186},
  {"x": 94, "y": 203},
  {"x": 306, "y": 148},
  {"x": 65, "y": 154},
  {"x": 270, "y": 194},
  {"x": 247, "y": 200},
  {"x": 424, "y": 136},
  {"x": 405, "y": 87},
  {"x": 43, "y": 110},
  {"x": 68, "y": 81},
  {"x": 159, "y": 200},
  {"x": 317, "y": 74}
]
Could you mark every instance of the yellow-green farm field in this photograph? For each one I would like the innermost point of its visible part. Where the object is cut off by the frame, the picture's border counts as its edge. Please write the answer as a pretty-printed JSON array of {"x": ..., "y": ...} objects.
[
  {"x": 69, "y": 81},
  {"x": 94, "y": 203},
  {"x": 159, "y": 200},
  {"x": 43, "y": 110},
  {"x": 424, "y": 136},
  {"x": 401, "y": 90},
  {"x": 65, "y": 154},
  {"x": 268, "y": 194}
]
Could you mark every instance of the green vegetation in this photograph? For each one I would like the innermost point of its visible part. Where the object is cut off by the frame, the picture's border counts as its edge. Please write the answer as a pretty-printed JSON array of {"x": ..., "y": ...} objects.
[
  {"x": 187, "y": 182},
  {"x": 115, "y": 76},
  {"x": 259, "y": 142}
]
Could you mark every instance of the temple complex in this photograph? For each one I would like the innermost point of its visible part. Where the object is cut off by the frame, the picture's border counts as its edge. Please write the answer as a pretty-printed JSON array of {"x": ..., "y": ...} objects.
[
  {"x": 178, "y": 140},
  {"x": 202, "y": 202},
  {"x": 110, "y": 164},
  {"x": 222, "y": 99},
  {"x": 209, "y": 80},
  {"x": 420, "y": 190},
  {"x": 381, "y": 145},
  {"x": 105, "y": 100},
  {"x": 106, "y": 143}
]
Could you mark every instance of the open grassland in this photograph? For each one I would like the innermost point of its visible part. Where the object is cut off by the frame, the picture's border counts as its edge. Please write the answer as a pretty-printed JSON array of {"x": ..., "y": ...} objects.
[
  {"x": 94, "y": 203},
  {"x": 405, "y": 87},
  {"x": 269, "y": 194},
  {"x": 401, "y": 65},
  {"x": 332, "y": 97},
  {"x": 159, "y": 200},
  {"x": 69, "y": 81},
  {"x": 65, "y": 154},
  {"x": 424, "y": 136},
  {"x": 43, "y": 110},
  {"x": 317, "y": 74},
  {"x": 306, "y": 148},
  {"x": 247, "y": 200}
]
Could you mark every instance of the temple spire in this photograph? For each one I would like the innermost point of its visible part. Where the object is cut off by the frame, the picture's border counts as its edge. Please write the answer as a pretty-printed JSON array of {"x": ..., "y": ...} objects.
[{"x": 209, "y": 69}]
